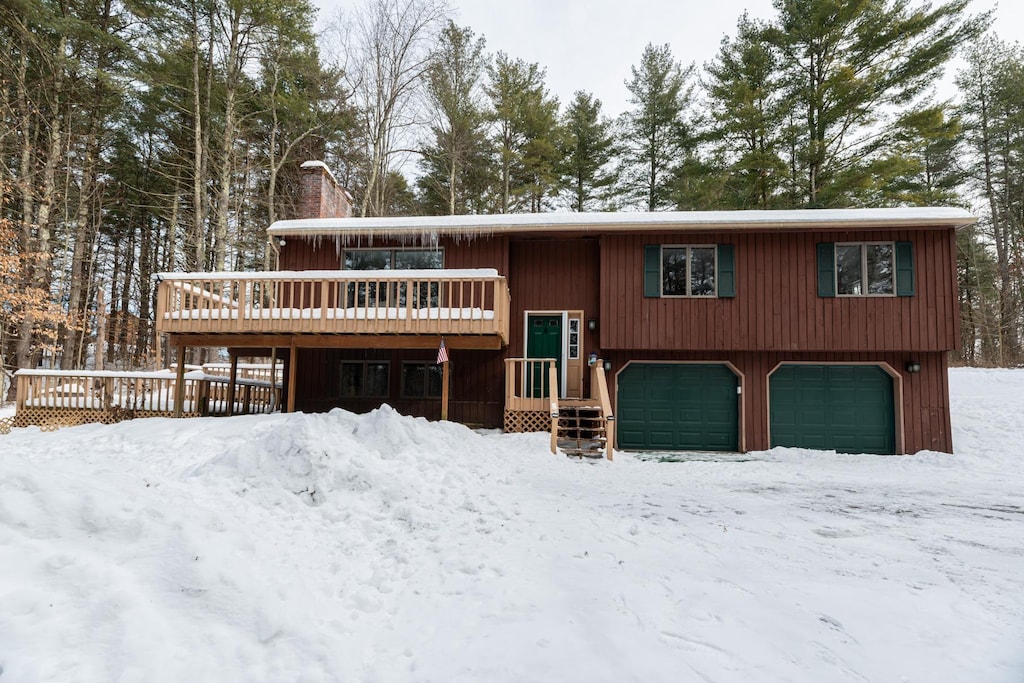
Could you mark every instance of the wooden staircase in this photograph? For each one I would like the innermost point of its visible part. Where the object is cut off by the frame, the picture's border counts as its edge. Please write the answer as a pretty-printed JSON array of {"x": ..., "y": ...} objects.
[{"x": 581, "y": 428}]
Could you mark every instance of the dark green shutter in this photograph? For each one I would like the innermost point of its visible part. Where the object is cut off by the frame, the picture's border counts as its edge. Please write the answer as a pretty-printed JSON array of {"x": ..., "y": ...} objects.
[
  {"x": 726, "y": 271},
  {"x": 826, "y": 269},
  {"x": 904, "y": 269},
  {"x": 652, "y": 270}
]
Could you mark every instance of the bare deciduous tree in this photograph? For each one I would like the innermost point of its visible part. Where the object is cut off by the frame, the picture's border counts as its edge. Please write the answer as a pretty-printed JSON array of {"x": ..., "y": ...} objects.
[{"x": 388, "y": 43}]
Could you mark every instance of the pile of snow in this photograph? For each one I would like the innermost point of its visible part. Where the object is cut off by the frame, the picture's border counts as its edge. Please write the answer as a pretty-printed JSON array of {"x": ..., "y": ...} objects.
[{"x": 379, "y": 547}]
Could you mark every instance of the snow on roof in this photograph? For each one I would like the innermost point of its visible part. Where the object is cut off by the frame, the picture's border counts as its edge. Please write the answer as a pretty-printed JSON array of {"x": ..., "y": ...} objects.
[
  {"x": 422, "y": 274},
  {"x": 631, "y": 221}
]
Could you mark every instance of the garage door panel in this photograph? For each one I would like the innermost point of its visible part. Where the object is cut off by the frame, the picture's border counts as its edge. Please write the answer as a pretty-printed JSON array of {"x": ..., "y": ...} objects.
[
  {"x": 833, "y": 407},
  {"x": 669, "y": 406}
]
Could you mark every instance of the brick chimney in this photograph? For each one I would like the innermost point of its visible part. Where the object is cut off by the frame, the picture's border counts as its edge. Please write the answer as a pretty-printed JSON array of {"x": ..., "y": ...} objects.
[{"x": 320, "y": 195}]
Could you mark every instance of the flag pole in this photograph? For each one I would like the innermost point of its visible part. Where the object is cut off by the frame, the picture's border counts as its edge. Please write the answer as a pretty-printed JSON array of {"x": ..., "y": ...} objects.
[
  {"x": 444, "y": 391},
  {"x": 442, "y": 358}
]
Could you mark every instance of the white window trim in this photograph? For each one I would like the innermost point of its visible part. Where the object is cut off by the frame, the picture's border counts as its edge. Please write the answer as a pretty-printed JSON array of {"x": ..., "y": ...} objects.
[
  {"x": 689, "y": 261},
  {"x": 863, "y": 269}
]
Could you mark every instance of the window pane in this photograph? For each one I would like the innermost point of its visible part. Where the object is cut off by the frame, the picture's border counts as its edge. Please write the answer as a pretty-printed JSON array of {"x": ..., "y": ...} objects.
[
  {"x": 848, "y": 269},
  {"x": 419, "y": 260},
  {"x": 880, "y": 268},
  {"x": 413, "y": 380},
  {"x": 371, "y": 259},
  {"x": 673, "y": 271},
  {"x": 377, "y": 379},
  {"x": 702, "y": 271},
  {"x": 351, "y": 380},
  {"x": 434, "y": 377}
]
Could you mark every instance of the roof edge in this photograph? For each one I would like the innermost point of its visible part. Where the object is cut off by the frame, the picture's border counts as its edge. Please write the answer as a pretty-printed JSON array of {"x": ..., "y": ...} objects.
[{"x": 690, "y": 221}]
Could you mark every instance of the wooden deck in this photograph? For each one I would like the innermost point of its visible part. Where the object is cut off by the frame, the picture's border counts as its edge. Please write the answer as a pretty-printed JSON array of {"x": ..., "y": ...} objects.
[
  {"x": 57, "y": 398},
  {"x": 471, "y": 307}
]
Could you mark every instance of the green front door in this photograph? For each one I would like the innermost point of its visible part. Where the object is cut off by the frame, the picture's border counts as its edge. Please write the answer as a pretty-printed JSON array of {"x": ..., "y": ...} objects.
[
  {"x": 543, "y": 340},
  {"x": 845, "y": 408},
  {"x": 678, "y": 406}
]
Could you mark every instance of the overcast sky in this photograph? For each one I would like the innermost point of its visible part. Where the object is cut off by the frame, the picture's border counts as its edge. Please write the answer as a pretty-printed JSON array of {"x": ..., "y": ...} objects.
[{"x": 591, "y": 44}]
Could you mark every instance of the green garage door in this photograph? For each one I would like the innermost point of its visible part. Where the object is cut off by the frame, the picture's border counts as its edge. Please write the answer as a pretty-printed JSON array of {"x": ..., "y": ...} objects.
[
  {"x": 846, "y": 408},
  {"x": 673, "y": 406}
]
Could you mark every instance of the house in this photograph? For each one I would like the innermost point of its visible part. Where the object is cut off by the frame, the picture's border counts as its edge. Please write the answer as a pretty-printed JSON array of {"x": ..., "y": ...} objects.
[{"x": 730, "y": 331}]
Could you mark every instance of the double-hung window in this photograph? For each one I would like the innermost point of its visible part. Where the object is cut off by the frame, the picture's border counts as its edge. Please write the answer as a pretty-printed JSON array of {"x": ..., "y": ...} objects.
[
  {"x": 699, "y": 270},
  {"x": 859, "y": 269}
]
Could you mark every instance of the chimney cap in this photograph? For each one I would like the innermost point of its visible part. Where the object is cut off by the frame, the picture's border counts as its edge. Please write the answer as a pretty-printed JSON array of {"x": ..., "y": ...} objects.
[{"x": 320, "y": 165}]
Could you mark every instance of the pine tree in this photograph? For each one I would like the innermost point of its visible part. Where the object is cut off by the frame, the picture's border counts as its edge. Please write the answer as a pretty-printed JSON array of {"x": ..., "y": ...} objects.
[
  {"x": 928, "y": 143},
  {"x": 656, "y": 135},
  {"x": 993, "y": 113},
  {"x": 525, "y": 121},
  {"x": 847, "y": 66},
  {"x": 746, "y": 108},
  {"x": 452, "y": 164},
  {"x": 587, "y": 153}
]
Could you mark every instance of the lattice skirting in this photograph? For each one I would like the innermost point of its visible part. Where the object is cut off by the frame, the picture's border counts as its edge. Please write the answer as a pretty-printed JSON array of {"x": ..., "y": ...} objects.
[
  {"x": 51, "y": 419},
  {"x": 527, "y": 421},
  {"x": 6, "y": 425}
]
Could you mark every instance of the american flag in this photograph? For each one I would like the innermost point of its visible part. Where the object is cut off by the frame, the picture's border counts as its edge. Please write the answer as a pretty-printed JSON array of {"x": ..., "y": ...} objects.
[{"x": 442, "y": 354}]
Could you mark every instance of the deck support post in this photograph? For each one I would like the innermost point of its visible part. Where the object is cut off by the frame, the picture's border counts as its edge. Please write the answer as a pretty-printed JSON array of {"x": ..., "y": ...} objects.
[
  {"x": 179, "y": 385},
  {"x": 231, "y": 385},
  {"x": 293, "y": 366},
  {"x": 275, "y": 395}
]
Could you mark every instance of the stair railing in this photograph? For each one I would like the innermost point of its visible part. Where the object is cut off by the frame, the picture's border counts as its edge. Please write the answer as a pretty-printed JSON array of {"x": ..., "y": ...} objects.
[
  {"x": 553, "y": 405},
  {"x": 599, "y": 386}
]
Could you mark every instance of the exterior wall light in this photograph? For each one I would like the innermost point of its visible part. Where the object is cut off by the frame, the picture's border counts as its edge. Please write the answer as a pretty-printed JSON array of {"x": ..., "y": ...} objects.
[
  {"x": 913, "y": 366},
  {"x": 607, "y": 366},
  {"x": 592, "y": 324}
]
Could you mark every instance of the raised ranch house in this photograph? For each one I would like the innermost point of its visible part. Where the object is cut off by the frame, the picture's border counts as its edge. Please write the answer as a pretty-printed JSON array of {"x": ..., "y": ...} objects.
[{"x": 728, "y": 331}]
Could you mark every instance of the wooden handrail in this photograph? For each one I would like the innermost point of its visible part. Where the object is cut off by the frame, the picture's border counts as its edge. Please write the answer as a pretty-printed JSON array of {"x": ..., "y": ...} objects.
[
  {"x": 522, "y": 377},
  {"x": 336, "y": 302},
  {"x": 553, "y": 404},
  {"x": 599, "y": 386}
]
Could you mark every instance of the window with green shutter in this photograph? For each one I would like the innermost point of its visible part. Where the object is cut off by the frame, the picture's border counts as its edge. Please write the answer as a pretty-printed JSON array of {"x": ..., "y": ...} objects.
[
  {"x": 683, "y": 270},
  {"x": 858, "y": 269}
]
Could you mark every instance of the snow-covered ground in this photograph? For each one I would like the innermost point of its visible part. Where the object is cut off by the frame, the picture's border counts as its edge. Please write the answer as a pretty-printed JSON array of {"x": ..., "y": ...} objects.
[{"x": 384, "y": 548}]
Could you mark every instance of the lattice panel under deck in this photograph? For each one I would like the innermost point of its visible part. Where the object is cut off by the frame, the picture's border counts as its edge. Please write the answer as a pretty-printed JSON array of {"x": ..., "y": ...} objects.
[
  {"x": 527, "y": 421},
  {"x": 52, "y": 419}
]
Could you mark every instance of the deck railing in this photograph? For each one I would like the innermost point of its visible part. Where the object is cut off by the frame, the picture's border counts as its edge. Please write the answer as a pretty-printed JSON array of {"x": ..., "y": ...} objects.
[
  {"x": 466, "y": 302},
  {"x": 529, "y": 385},
  {"x": 64, "y": 397}
]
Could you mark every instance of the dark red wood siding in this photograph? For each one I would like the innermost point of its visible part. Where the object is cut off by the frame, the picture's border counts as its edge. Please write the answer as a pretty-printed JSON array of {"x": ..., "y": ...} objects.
[
  {"x": 552, "y": 275},
  {"x": 476, "y": 396},
  {"x": 925, "y": 397},
  {"x": 777, "y": 306},
  {"x": 776, "y": 316}
]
